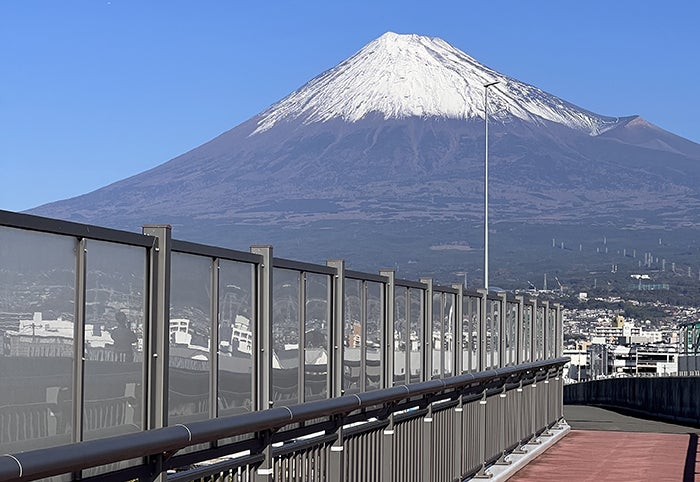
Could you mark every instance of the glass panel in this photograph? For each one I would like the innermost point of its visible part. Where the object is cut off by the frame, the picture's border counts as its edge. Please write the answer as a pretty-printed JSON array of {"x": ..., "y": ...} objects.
[
  {"x": 436, "y": 335},
  {"x": 236, "y": 337},
  {"x": 285, "y": 336},
  {"x": 416, "y": 335},
  {"x": 37, "y": 297},
  {"x": 448, "y": 335},
  {"x": 373, "y": 331},
  {"x": 510, "y": 338},
  {"x": 539, "y": 334},
  {"x": 489, "y": 335},
  {"x": 473, "y": 315},
  {"x": 527, "y": 333},
  {"x": 352, "y": 337},
  {"x": 551, "y": 332},
  {"x": 190, "y": 338},
  {"x": 466, "y": 334},
  {"x": 115, "y": 303},
  {"x": 400, "y": 333},
  {"x": 316, "y": 360}
]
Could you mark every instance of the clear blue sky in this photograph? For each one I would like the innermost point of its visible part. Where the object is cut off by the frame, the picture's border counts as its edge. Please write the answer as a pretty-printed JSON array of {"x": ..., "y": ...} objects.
[{"x": 95, "y": 91}]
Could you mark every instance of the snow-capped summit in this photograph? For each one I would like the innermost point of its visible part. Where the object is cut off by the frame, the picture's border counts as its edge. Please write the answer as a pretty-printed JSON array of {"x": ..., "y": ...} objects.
[{"x": 400, "y": 76}]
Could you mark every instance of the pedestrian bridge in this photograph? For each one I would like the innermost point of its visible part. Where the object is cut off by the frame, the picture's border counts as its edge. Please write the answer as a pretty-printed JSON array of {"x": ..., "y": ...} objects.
[{"x": 132, "y": 356}]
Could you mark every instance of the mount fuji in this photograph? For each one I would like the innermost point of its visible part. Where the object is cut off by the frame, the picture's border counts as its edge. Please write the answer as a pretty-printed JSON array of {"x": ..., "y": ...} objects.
[{"x": 380, "y": 160}]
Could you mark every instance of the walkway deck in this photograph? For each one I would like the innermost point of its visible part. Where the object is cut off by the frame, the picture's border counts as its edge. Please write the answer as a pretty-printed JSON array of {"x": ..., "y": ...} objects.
[{"x": 607, "y": 446}]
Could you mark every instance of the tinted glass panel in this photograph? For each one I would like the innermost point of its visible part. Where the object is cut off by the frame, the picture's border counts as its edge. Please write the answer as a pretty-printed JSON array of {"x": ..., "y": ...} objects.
[
  {"x": 115, "y": 303},
  {"x": 416, "y": 334},
  {"x": 375, "y": 323},
  {"x": 285, "y": 336},
  {"x": 236, "y": 337},
  {"x": 436, "y": 334},
  {"x": 352, "y": 336},
  {"x": 190, "y": 338},
  {"x": 400, "y": 334},
  {"x": 448, "y": 335},
  {"x": 37, "y": 298},
  {"x": 316, "y": 326}
]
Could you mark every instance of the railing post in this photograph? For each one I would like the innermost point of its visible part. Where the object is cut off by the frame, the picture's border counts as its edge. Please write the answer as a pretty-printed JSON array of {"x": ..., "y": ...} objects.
[
  {"x": 336, "y": 470},
  {"x": 533, "y": 412},
  {"x": 522, "y": 420},
  {"x": 458, "y": 447},
  {"x": 157, "y": 346},
  {"x": 388, "y": 450},
  {"x": 388, "y": 331},
  {"x": 262, "y": 358},
  {"x": 157, "y": 350},
  {"x": 427, "y": 445},
  {"x": 337, "y": 327},
  {"x": 79, "y": 340},
  {"x": 502, "y": 419},
  {"x": 482, "y": 473},
  {"x": 428, "y": 330},
  {"x": 214, "y": 343},
  {"x": 547, "y": 394}
]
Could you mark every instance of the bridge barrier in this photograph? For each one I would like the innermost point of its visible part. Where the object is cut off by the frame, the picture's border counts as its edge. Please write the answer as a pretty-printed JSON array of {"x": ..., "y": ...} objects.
[
  {"x": 673, "y": 399},
  {"x": 106, "y": 332}
]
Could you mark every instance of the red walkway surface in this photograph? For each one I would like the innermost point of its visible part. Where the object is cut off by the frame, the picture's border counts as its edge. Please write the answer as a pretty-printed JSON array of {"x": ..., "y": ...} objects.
[{"x": 586, "y": 455}]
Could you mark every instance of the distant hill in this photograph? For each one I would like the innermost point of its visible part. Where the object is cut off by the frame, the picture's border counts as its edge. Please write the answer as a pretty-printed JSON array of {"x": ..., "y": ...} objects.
[{"x": 380, "y": 160}]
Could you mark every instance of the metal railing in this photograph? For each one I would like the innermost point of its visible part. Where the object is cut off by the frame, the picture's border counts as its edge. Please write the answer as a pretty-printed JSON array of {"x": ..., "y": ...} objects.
[
  {"x": 108, "y": 333},
  {"x": 443, "y": 429}
]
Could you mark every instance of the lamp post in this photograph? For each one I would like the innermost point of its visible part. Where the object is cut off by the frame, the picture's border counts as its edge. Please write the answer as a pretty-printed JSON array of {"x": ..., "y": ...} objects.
[{"x": 486, "y": 185}]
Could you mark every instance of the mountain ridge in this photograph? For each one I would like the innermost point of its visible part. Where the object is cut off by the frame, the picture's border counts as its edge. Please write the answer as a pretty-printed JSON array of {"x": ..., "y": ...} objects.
[{"x": 417, "y": 177}]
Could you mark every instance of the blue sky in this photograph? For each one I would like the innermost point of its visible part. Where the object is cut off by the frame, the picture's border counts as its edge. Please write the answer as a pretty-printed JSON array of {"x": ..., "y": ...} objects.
[{"x": 95, "y": 91}]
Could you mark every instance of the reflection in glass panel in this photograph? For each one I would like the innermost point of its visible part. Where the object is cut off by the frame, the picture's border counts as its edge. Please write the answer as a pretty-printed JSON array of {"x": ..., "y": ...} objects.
[
  {"x": 115, "y": 300},
  {"x": 539, "y": 333},
  {"x": 400, "y": 334},
  {"x": 373, "y": 333},
  {"x": 511, "y": 333},
  {"x": 352, "y": 336},
  {"x": 37, "y": 298},
  {"x": 472, "y": 306},
  {"x": 190, "y": 338},
  {"x": 527, "y": 333},
  {"x": 551, "y": 333},
  {"x": 489, "y": 335},
  {"x": 416, "y": 334},
  {"x": 466, "y": 334},
  {"x": 236, "y": 337},
  {"x": 495, "y": 333},
  {"x": 316, "y": 331},
  {"x": 286, "y": 286},
  {"x": 448, "y": 335},
  {"x": 436, "y": 335}
]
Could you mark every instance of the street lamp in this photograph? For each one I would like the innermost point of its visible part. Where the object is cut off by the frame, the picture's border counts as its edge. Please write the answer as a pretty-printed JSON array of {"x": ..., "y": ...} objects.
[{"x": 486, "y": 185}]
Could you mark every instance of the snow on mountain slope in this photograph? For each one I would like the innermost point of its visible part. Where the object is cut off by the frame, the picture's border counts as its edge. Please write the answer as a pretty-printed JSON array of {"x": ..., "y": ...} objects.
[{"x": 400, "y": 76}]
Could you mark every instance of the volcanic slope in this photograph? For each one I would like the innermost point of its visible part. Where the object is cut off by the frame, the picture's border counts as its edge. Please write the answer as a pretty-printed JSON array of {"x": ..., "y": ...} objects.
[{"x": 394, "y": 135}]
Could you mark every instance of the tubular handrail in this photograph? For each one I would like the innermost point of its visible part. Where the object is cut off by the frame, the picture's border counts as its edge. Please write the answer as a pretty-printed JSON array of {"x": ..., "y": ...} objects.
[{"x": 47, "y": 462}]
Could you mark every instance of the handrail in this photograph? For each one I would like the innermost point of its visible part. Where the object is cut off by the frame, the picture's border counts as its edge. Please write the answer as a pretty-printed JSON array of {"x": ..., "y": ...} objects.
[{"x": 35, "y": 464}]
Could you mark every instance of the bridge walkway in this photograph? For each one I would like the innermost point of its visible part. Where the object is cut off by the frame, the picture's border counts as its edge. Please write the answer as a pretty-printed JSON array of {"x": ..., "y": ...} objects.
[{"x": 604, "y": 445}]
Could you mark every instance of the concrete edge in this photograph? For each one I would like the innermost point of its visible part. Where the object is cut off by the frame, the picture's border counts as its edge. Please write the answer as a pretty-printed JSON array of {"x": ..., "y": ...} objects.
[{"x": 501, "y": 473}]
